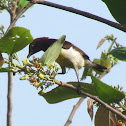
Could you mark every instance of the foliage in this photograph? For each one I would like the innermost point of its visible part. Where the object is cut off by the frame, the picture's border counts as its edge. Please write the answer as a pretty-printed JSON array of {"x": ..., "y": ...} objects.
[
  {"x": 119, "y": 53},
  {"x": 9, "y": 4},
  {"x": 41, "y": 72},
  {"x": 22, "y": 3},
  {"x": 106, "y": 92},
  {"x": 106, "y": 58},
  {"x": 64, "y": 93},
  {"x": 117, "y": 9},
  {"x": 16, "y": 39}
]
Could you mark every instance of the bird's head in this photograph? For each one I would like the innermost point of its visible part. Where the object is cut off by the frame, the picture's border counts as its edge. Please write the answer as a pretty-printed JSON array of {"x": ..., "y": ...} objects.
[{"x": 40, "y": 44}]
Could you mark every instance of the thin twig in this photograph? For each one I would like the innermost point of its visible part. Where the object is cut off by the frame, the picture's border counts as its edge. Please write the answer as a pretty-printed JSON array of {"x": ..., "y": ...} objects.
[
  {"x": 9, "y": 99},
  {"x": 18, "y": 15},
  {"x": 82, "y": 13},
  {"x": 75, "y": 107},
  {"x": 10, "y": 74},
  {"x": 103, "y": 74},
  {"x": 70, "y": 9},
  {"x": 93, "y": 97},
  {"x": 123, "y": 107}
]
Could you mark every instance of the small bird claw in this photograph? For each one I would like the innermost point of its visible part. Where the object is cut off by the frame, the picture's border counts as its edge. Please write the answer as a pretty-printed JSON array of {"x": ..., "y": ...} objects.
[{"x": 79, "y": 89}]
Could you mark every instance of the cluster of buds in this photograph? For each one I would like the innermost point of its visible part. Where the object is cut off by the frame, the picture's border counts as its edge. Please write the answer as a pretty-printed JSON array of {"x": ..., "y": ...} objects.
[
  {"x": 38, "y": 75},
  {"x": 120, "y": 123}
]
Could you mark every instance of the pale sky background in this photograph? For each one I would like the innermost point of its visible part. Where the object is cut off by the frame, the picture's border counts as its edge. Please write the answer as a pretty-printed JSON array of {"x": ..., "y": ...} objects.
[{"x": 30, "y": 109}]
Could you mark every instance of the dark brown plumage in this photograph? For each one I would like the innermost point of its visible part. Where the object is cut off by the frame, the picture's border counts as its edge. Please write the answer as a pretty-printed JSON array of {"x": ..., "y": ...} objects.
[{"x": 43, "y": 43}]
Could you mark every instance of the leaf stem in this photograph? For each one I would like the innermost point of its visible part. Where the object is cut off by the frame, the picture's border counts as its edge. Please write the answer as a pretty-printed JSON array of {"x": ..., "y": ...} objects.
[
  {"x": 122, "y": 106},
  {"x": 113, "y": 41}
]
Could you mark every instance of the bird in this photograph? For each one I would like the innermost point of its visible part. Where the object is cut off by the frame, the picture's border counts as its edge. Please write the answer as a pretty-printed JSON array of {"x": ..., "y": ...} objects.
[{"x": 70, "y": 56}]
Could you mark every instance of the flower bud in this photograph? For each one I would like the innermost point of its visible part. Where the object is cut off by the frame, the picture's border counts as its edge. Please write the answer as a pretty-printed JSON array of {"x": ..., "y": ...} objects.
[
  {"x": 23, "y": 78},
  {"x": 41, "y": 76},
  {"x": 25, "y": 62}
]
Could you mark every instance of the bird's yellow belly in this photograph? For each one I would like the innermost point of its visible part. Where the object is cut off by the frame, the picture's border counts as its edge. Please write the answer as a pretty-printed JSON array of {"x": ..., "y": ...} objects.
[
  {"x": 62, "y": 61},
  {"x": 70, "y": 58}
]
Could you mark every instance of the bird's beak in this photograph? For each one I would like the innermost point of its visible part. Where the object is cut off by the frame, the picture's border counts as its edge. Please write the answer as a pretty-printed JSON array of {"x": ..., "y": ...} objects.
[{"x": 29, "y": 55}]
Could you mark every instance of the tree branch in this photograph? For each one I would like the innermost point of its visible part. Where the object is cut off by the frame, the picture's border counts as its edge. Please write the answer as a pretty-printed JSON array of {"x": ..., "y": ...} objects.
[
  {"x": 82, "y": 13},
  {"x": 9, "y": 99},
  {"x": 75, "y": 107},
  {"x": 93, "y": 97},
  {"x": 69, "y": 120},
  {"x": 10, "y": 74},
  {"x": 69, "y": 9}
]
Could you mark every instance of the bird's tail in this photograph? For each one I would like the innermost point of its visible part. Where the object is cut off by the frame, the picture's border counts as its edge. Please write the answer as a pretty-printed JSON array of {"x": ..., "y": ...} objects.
[{"x": 96, "y": 66}]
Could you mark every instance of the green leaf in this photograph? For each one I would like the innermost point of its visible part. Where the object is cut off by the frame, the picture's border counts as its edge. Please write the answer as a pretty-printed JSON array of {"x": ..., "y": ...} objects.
[
  {"x": 119, "y": 53},
  {"x": 107, "y": 93},
  {"x": 23, "y": 3},
  {"x": 60, "y": 93},
  {"x": 86, "y": 87},
  {"x": 85, "y": 73},
  {"x": 52, "y": 52},
  {"x": 7, "y": 69},
  {"x": 117, "y": 9},
  {"x": 16, "y": 39}
]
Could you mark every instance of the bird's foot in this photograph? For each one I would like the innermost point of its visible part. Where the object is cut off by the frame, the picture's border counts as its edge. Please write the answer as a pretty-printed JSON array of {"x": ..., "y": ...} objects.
[{"x": 79, "y": 88}]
